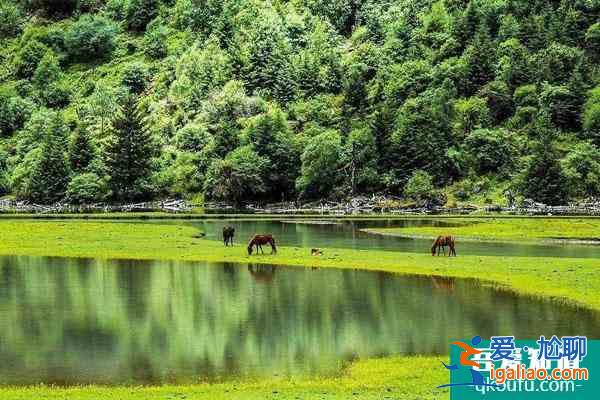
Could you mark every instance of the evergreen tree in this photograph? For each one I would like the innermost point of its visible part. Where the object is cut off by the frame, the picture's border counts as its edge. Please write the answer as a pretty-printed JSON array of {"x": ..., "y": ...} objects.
[
  {"x": 81, "y": 151},
  {"x": 50, "y": 173},
  {"x": 543, "y": 180},
  {"x": 129, "y": 153}
]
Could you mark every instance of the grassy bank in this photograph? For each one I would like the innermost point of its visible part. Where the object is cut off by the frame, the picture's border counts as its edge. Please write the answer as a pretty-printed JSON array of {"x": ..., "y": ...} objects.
[
  {"x": 508, "y": 229},
  {"x": 407, "y": 378},
  {"x": 398, "y": 377}
]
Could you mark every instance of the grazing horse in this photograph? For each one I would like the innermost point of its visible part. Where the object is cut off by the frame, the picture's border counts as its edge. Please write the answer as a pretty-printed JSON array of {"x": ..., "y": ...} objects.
[
  {"x": 442, "y": 242},
  {"x": 259, "y": 240},
  {"x": 228, "y": 233}
]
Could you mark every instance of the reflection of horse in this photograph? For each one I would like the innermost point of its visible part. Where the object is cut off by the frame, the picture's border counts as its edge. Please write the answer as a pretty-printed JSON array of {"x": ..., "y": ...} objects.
[
  {"x": 259, "y": 240},
  {"x": 443, "y": 241},
  {"x": 443, "y": 284},
  {"x": 262, "y": 273},
  {"x": 228, "y": 233}
]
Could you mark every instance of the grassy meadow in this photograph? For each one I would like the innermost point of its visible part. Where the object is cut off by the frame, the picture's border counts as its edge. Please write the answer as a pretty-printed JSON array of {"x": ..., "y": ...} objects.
[{"x": 508, "y": 229}]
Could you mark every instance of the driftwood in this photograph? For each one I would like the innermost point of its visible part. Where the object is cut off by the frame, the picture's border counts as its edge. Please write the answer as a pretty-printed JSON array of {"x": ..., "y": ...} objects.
[{"x": 174, "y": 206}]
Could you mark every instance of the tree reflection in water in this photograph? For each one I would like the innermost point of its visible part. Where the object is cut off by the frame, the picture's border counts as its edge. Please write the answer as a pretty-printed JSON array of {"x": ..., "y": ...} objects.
[{"x": 71, "y": 321}]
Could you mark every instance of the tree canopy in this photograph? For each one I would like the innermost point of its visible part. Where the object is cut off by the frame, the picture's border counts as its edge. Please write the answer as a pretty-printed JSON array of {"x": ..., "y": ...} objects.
[{"x": 254, "y": 100}]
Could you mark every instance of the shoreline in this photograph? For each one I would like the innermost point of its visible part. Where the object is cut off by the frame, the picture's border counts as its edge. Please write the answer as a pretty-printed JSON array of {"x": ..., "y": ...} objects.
[{"x": 540, "y": 241}]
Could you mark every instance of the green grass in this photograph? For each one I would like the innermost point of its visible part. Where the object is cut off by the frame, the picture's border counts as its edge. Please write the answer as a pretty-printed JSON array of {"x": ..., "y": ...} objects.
[
  {"x": 394, "y": 377},
  {"x": 572, "y": 280},
  {"x": 508, "y": 229}
]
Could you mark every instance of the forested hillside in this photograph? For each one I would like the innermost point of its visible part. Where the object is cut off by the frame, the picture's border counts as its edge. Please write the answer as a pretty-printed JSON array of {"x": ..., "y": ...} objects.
[{"x": 239, "y": 100}]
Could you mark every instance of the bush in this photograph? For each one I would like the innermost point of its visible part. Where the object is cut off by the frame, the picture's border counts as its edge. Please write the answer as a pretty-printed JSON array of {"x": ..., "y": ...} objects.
[
  {"x": 420, "y": 187},
  {"x": 28, "y": 58},
  {"x": 140, "y": 13},
  {"x": 490, "y": 150},
  {"x": 11, "y": 19},
  {"x": 86, "y": 188},
  {"x": 90, "y": 37},
  {"x": 14, "y": 111},
  {"x": 155, "y": 41},
  {"x": 237, "y": 178}
]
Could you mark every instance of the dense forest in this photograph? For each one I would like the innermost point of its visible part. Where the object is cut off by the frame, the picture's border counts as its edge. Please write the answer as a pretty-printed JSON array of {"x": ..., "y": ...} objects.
[{"x": 251, "y": 100}]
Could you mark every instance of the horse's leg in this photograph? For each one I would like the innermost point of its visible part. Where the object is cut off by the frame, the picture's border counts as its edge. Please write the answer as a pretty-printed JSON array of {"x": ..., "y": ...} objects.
[{"x": 261, "y": 249}]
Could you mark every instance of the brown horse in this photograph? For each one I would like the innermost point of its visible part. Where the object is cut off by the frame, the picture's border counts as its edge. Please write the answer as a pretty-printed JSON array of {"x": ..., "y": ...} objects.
[
  {"x": 228, "y": 233},
  {"x": 442, "y": 242},
  {"x": 259, "y": 240}
]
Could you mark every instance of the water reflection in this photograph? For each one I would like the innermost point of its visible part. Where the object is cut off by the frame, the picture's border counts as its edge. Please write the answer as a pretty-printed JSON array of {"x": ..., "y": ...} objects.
[{"x": 70, "y": 321}]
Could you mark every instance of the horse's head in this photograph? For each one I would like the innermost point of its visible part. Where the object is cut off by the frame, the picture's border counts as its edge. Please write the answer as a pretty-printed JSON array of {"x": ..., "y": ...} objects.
[
  {"x": 250, "y": 249},
  {"x": 433, "y": 248}
]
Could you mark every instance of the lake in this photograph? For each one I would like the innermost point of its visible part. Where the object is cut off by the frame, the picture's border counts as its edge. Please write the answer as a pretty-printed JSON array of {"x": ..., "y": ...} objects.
[
  {"x": 79, "y": 321},
  {"x": 348, "y": 234}
]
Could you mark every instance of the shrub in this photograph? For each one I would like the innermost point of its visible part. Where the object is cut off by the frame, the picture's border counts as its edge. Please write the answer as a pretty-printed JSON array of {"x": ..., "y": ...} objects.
[
  {"x": 420, "y": 187},
  {"x": 90, "y": 37},
  {"x": 11, "y": 19},
  {"x": 28, "y": 58},
  {"x": 86, "y": 188}
]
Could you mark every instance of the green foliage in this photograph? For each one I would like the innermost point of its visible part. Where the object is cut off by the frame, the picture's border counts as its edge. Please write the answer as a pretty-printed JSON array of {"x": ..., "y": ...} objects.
[
  {"x": 86, "y": 188},
  {"x": 470, "y": 114},
  {"x": 582, "y": 169},
  {"x": 591, "y": 115},
  {"x": 47, "y": 181},
  {"x": 491, "y": 151},
  {"x": 271, "y": 137},
  {"x": 155, "y": 40},
  {"x": 453, "y": 88},
  {"x": 419, "y": 187},
  {"x": 238, "y": 178},
  {"x": 28, "y": 57},
  {"x": 81, "y": 151},
  {"x": 198, "y": 72},
  {"x": 321, "y": 160},
  {"x": 14, "y": 111},
  {"x": 128, "y": 154},
  {"x": 51, "y": 7},
  {"x": 543, "y": 178},
  {"x": 91, "y": 37},
  {"x": 136, "y": 77},
  {"x": 11, "y": 19},
  {"x": 140, "y": 13}
]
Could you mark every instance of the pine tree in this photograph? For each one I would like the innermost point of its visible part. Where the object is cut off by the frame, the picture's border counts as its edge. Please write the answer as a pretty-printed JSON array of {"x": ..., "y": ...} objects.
[
  {"x": 81, "y": 151},
  {"x": 128, "y": 156},
  {"x": 50, "y": 174},
  {"x": 544, "y": 180}
]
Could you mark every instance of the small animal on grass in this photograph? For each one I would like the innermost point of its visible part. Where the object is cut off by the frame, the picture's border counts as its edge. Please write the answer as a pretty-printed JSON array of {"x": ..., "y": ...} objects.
[
  {"x": 259, "y": 240},
  {"x": 228, "y": 234},
  {"x": 316, "y": 252},
  {"x": 442, "y": 242}
]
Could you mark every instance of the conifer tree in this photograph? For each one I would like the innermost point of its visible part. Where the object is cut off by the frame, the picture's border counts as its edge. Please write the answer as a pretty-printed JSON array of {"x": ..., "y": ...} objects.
[
  {"x": 544, "y": 180},
  {"x": 128, "y": 155},
  {"x": 50, "y": 174},
  {"x": 81, "y": 151}
]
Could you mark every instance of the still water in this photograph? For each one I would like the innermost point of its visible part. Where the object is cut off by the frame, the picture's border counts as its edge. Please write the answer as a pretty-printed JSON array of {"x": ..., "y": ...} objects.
[
  {"x": 348, "y": 234},
  {"x": 77, "y": 321}
]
